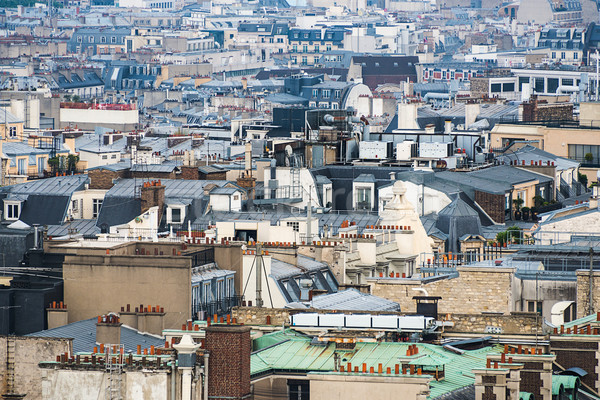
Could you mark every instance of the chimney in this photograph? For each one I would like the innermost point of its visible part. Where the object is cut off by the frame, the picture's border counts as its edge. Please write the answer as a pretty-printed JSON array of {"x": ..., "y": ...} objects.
[
  {"x": 57, "y": 314},
  {"x": 108, "y": 329},
  {"x": 536, "y": 376},
  {"x": 448, "y": 127},
  {"x": 471, "y": 113},
  {"x": 154, "y": 323},
  {"x": 248, "y": 158},
  {"x": 245, "y": 83},
  {"x": 129, "y": 317},
  {"x": 229, "y": 347},
  {"x": 153, "y": 195}
]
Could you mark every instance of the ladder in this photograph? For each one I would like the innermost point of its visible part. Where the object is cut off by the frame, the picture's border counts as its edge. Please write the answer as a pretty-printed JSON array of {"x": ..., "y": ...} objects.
[
  {"x": 114, "y": 369},
  {"x": 11, "y": 347}
]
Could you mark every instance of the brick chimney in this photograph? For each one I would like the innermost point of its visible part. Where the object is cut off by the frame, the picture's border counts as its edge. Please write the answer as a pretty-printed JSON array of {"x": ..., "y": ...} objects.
[
  {"x": 536, "y": 375},
  {"x": 229, "y": 347},
  {"x": 57, "y": 314},
  {"x": 108, "y": 329},
  {"x": 153, "y": 194}
]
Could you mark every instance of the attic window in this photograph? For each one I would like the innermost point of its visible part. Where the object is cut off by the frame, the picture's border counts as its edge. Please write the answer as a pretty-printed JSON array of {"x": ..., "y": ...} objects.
[
  {"x": 395, "y": 64},
  {"x": 377, "y": 64},
  {"x": 12, "y": 210}
]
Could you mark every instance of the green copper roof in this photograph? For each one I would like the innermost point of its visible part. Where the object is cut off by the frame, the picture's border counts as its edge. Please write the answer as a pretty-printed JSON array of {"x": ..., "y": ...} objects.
[{"x": 298, "y": 355}]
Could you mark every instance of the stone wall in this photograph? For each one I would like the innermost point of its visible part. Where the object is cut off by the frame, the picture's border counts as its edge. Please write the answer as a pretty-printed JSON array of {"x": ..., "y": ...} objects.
[
  {"x": 475, "y": 290},
  {"x": 480, "y": 87},
  {"x": 583, "y": 290},
  {"x": 515, "y": 323},
  {"x": 29, "y": 352},
  {"x": 492, "y": 204}
]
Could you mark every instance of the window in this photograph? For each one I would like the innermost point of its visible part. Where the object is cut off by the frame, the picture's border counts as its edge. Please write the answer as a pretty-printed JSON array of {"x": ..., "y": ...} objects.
[
  {"x": 567, "y": 82},
  {"x": 553, "y": 55},
  {"x": 75, "y": 206},
  {"x": 363, "y": 198},
  {"x": 316, "y": 48},
  {"x": 102, "y": 39},
  {"x": 294, "y": 224},
  {"x": 337, "y": 94},
  {"x": 334, "y": 106},
  {"x": 326, "y": 93},
  {"x": 496, "y": 88},
  {"x": 96, "y": 205},
  {"x": 21, "y": 167},
  {"x": 113, "y": 39},
  {"x": 534, "y": 306},
  {"x": 104, "y": 156},
  {"x": 304, "y": 60},
  {"x": 305, "y": 49},
  {"x": 12, "y": 131},
  {"x": 79, "y": 39},
  {"x": 508, "y": 87},
  {"x": 294, "y": 48},
  {"x": 315, "y": 93},
  {"x": 91, "y": 39},
  {"x": 575, "y": 56},
  {"x": 298, "y": 390},
  {"x": 562, "y": 55},
  {"x": 176, "y": 215},
  {"x": 13, "y": 210}
]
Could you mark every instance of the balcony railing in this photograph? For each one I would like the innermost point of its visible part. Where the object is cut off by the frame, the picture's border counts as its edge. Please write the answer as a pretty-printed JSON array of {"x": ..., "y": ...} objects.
[{"x": 220, "y": 307}]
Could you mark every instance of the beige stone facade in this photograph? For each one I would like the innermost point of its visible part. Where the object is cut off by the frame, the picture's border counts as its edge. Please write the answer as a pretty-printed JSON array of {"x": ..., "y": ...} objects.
[{"x": 475, "y": 290}]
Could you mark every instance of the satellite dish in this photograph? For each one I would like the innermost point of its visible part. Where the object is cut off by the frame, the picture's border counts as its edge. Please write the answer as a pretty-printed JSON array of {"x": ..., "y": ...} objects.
[{"x": 288, "y": 150}]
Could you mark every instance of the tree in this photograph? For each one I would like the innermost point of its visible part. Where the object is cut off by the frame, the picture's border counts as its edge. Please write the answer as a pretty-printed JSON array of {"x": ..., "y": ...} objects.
[
  {"x": 582, "y": 178},
  {"x": 72, "y": 160},
  {"x": 538, "y": 201},
  {"x": 511, "y": 235},
  {"x": 76, "y": 99},
  {"x": 67, "y": 97},
  {"x": 589, "y": 157}
]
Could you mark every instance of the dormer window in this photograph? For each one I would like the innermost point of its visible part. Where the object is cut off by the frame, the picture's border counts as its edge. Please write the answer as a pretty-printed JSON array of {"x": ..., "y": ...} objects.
[{"x": 12, "y": 210}]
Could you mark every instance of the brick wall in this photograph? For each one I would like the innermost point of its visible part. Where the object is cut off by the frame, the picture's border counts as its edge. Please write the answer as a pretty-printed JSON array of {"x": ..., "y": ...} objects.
[
  {"x": 103, "y": 178},
  {"x": 475, "y": 290},
  {"x": 492, "y": 204},
  {"x": 229, "y": 347},
  {"x": 152, "y": 175},
  {"x": 189, "y": 173},
  {"x": 153, "y": 196},
  {"x": 574, "y": 352}
]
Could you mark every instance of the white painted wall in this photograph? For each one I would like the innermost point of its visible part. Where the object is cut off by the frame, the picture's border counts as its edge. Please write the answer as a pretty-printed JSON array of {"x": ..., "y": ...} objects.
[
  {"x": 434, "y": 199},
  {"x": 75, "y": 116},
  {"x": 85, "y": 200}
]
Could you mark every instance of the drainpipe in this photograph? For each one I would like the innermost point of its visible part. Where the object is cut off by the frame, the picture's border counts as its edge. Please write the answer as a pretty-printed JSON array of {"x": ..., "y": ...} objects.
[
  {"x": 173, "y": 377},
  {"x": 205, "y": 392}
]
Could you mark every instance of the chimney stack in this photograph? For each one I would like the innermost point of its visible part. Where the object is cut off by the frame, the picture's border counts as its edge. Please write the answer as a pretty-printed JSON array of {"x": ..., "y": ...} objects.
[
  {"x": 229, "y": 347},
  {"x": 57, "y": 314},
  {"x": 108, "y": 329}
]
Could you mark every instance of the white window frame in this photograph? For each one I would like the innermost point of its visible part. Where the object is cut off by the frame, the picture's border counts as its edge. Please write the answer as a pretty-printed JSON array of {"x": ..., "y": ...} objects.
[{"x": 12, "y": 208}]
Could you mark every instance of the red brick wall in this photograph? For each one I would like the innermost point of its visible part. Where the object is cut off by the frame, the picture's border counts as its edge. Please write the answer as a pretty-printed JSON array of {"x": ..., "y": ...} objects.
[
  {"x": 578, "y": 354},
  {"x": 189, "y": 173},
  {"x": 229, "y": 347},
  {"x": 492, "y": 204},
  {"x": 103, "y": 179}
]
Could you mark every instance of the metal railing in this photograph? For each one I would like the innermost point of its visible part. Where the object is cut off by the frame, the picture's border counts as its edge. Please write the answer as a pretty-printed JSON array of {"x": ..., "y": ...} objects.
[{"x": 219, "y": 307}]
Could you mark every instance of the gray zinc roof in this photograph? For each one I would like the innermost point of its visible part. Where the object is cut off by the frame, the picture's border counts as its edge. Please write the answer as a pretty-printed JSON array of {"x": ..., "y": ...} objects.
[
  {"x": 84, "y": 336},
  {"x": 353, "y": 300}
]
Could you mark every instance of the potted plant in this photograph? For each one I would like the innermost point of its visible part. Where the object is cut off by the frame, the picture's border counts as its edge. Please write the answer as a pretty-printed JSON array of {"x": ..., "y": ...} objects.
[
  {"x": 518, "y": 202},
  {"x": 589, "y": 157},
  {"x": 525, "y": 211}
]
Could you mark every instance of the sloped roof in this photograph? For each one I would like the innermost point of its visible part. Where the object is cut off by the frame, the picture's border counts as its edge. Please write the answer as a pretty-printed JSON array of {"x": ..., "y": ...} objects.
[
  {"x": 84, "y": 336},
  {"x": 353, "y": 300}
]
